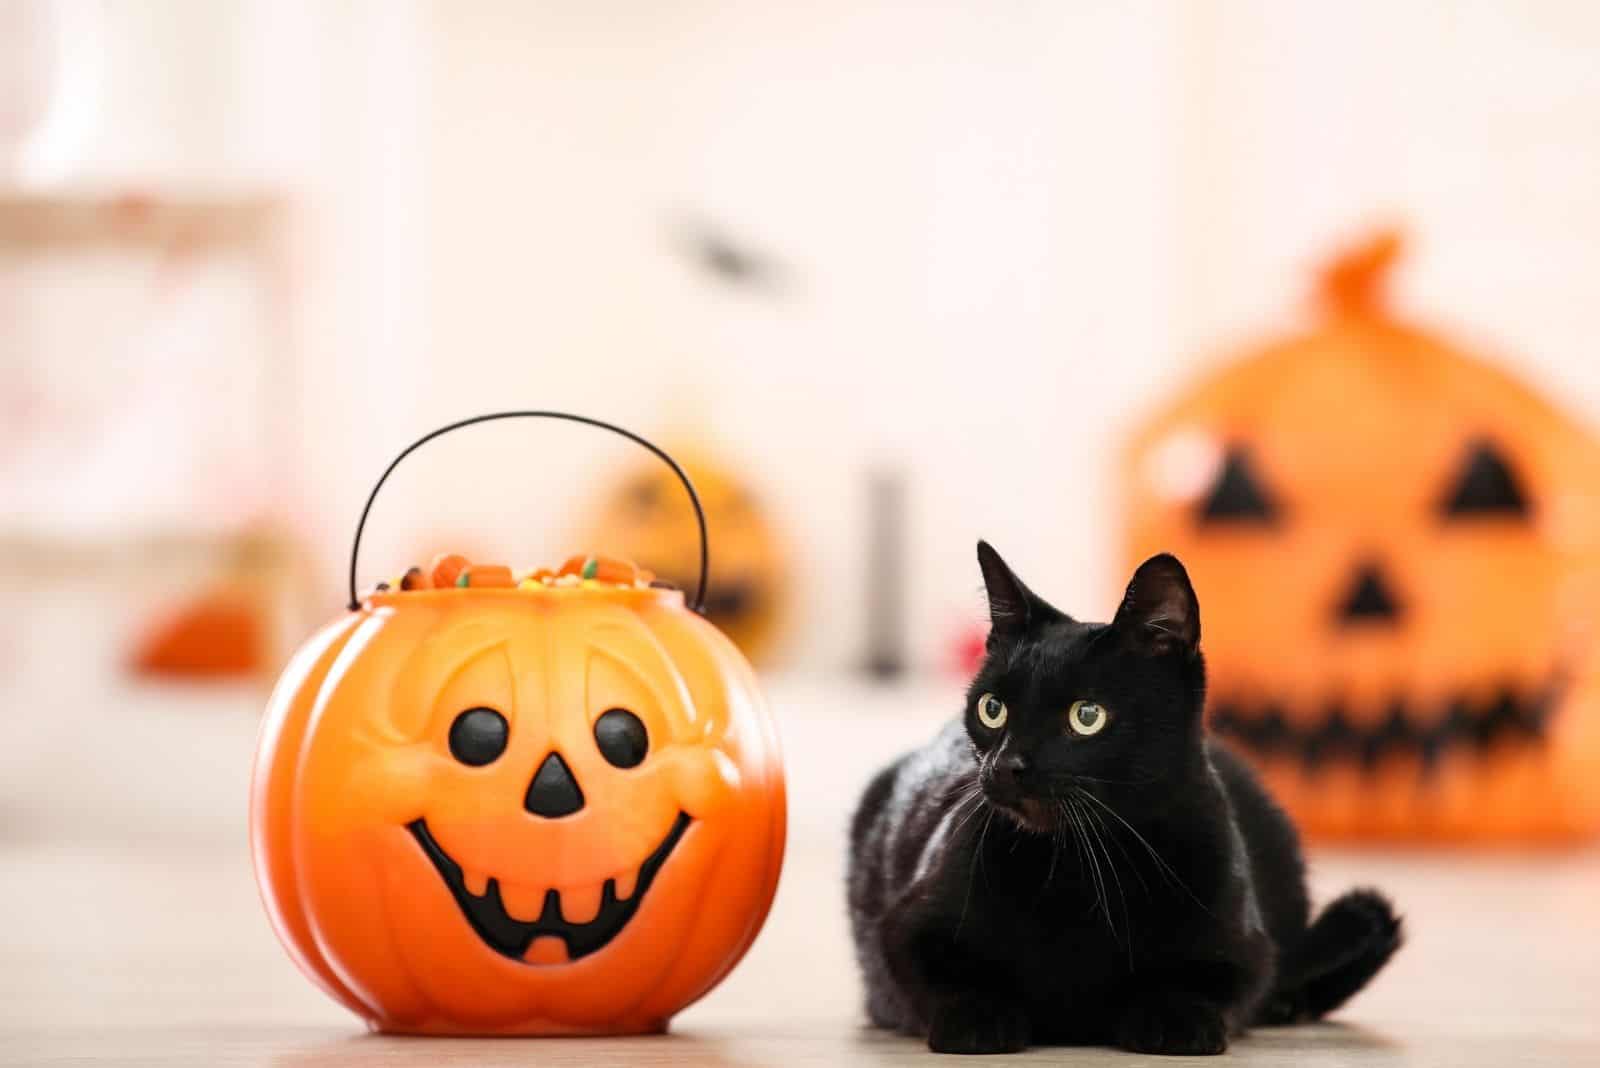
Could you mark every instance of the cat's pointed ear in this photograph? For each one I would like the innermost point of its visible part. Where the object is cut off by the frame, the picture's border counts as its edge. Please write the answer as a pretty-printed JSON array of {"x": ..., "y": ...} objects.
[
  {"x": 1012, "y": 606},
  {"x": 1160, "y": 613}
]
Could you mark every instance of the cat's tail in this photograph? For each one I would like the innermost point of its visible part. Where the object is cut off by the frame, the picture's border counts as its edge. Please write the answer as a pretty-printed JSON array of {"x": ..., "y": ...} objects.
[{"x": 1350, "y": 940}]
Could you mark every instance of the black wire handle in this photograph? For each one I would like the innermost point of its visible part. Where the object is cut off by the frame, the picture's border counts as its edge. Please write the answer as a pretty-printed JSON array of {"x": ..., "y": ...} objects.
[{"x": 697, "y": 604}]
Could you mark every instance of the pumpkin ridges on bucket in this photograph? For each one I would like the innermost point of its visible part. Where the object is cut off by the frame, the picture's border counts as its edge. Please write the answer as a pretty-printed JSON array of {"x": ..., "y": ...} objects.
[{"x": 372, "y": 777}]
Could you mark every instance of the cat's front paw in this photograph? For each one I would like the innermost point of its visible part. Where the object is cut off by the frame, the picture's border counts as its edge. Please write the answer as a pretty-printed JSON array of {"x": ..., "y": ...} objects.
[
  {"x": 977, "y": 1024},
  {"x": 1172, "y": 1025},
  {"x": 1282, "y": 1009}
]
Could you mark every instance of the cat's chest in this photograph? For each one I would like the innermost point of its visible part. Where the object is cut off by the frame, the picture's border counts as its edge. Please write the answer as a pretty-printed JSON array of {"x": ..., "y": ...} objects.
[
  {"x": 1058, "y": 950},
  {"x": 1077, "y": 923},
  {"x": 1067, "y": 917}
]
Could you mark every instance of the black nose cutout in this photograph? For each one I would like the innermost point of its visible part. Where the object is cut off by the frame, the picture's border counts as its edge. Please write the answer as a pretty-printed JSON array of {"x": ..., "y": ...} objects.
[
  {"x": 1369, "y": 600},
  {"x": 553, "y": 793}
]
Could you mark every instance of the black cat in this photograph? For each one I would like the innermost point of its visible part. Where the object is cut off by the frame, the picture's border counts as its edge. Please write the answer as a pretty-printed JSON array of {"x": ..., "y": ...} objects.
[{"x": 1075, "y": 861}]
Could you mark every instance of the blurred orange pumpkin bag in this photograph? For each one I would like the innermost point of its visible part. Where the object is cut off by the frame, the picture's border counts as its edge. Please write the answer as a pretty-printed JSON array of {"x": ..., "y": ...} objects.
[
  {"x": 749, "y": 597},
  {"x": 1396, "y": 544},
  {"x": 538, "y": 805}
]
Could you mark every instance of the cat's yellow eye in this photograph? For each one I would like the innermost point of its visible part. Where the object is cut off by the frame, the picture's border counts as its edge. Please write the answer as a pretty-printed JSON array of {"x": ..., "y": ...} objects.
[
  {"x": 1086, "y": 717},
  {"x": 991, "y": 711}
]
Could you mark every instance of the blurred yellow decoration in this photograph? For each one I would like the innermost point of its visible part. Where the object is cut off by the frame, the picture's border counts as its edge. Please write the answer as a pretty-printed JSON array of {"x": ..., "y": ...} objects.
[
  {"x": 645, "y": 519},
  {"x": 1394, "y": 546}
]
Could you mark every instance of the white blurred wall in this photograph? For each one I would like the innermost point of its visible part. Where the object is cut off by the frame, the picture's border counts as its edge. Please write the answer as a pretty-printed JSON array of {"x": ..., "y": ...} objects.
[
  {"x": 1005, "y": 231},
  {"x": 1476, "y": 125},
  {"x": 970, "y": 210}
]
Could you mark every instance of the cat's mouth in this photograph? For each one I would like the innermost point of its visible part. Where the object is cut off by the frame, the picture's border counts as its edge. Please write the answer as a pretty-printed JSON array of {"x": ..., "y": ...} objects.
[
  {"x": 1032, "y": 814},
  {"x": 512, "y": 937},
  {"x": 1411, "y": 730}
]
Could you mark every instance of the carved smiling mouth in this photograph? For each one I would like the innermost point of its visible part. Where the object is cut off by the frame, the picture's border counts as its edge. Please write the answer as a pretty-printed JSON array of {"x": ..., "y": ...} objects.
[
  {"x": 1404, "y": 730},
  {"x": 511, "y": 937}
]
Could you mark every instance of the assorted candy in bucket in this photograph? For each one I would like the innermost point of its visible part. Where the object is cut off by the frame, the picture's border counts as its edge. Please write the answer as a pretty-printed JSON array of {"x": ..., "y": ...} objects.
[{"x": 454, "y": 571}]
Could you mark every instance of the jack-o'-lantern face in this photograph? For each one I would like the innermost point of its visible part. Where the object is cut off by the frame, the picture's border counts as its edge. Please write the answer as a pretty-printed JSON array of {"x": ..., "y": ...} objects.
[
  {"x": 1395, "y": 545},
  {"x": 612, "y": 838},
  {"x": 646, "y": 519},
  {"x": 553, "y": 810}
]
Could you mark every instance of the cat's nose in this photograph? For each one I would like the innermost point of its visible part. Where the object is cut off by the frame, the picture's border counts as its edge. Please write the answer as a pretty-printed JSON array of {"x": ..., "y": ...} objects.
[{"x": 1009, "y": 771}]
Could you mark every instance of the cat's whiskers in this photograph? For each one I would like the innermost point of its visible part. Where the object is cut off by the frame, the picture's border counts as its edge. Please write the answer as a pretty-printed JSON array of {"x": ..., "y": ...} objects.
[
  {"x": 972, "y": 872},
  {"x": 1100, "y": 874},
  {"x": 1055, "y": 849},
  {"x": 1102, "y": 895},
  {"x": 974, "y": 797},
  {"x": 981, "y": 837},
  {"x": 1102, "y": 832},
  {"x": 1166, "y": 870},
  {"x": 1077, "y": 777},
  {"x": 1098, "y": 829},
  {"x": 1110, "y": 832},
  {"x": 1069, "y": 821}
]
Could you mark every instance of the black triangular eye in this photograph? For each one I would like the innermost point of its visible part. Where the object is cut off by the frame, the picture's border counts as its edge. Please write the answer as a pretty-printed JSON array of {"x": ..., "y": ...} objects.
[
  {"x": 1238, "y": 496},
  {"x": 1486, "y": 486}
]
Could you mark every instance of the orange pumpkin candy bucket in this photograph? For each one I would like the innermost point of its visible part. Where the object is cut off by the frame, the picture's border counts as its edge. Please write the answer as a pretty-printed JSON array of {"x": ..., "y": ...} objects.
[{"x": 542, "y": 806}]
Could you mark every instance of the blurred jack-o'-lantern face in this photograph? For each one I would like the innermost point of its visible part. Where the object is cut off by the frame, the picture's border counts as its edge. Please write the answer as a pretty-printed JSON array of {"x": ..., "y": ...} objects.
[
  {"x": 1395, "y": 545},
  {"x": 645, "y": 519},
  {"x": 545, "y": 810}
]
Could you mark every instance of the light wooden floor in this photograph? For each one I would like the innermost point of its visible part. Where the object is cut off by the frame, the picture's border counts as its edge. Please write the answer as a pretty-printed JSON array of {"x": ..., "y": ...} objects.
[{"x": 132, "y": 931}]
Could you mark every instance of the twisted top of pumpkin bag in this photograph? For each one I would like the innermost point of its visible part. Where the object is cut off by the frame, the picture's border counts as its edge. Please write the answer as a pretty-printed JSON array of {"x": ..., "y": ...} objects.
[
  {"x": 453, "y": 571},
  {"x": 1354, "y": 282}
]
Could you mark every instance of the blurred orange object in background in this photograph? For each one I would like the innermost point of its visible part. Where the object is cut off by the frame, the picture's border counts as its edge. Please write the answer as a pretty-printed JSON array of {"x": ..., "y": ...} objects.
[
  {"x": 643, "y": 519},
  {"x": 220, "y": 634},
  {"x": 1395, "y": 548}
]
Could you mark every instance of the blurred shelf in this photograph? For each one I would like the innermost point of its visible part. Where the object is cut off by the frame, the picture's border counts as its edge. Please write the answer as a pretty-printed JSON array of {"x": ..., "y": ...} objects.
[
  {"x": 38, "y": 554},
  {"x": 221, "y": 217}
]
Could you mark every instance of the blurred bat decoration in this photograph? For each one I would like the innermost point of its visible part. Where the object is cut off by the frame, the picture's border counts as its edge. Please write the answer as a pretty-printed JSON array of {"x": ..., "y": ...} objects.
[{"x": 711, "y": 249}]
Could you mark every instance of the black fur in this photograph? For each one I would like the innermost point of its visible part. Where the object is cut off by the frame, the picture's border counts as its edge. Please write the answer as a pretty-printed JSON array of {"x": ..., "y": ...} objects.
[{"x": 1032, "y": 884}]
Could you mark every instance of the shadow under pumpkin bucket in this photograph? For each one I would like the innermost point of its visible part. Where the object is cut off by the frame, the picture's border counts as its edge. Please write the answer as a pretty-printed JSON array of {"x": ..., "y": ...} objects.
[{"x": 549, "y": 804}]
